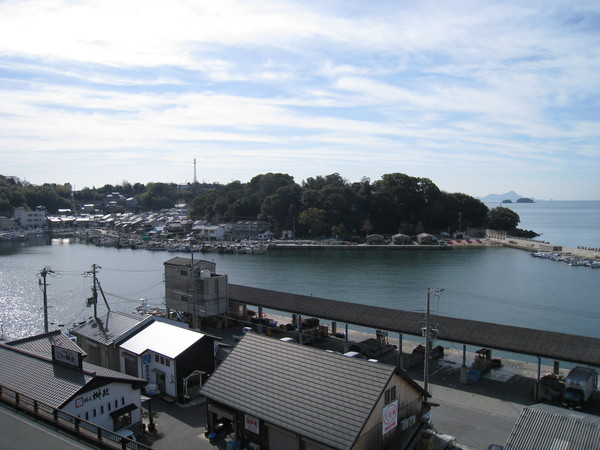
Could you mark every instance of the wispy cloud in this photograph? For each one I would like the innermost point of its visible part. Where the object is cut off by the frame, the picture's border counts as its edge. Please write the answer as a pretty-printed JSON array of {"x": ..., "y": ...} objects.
[{"x": 477, "y": 97}]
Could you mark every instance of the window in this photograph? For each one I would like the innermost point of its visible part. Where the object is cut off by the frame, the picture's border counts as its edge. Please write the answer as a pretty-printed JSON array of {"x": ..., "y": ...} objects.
[
  {"x": 94, "y": 412},
  {"x": 155, "y": 358},
  {"x": 108, "y": 404},
  {"x": 122, "y": 401},
  {"x": 390, "y": 395},
  {"x": 183, "y": 273},
  {"x": 168, "y": 362},
  {"x": 162, "y": 360},
  {"x": 87, "y": 416},
  {"x": 102, "y": 409},
  {"x": 184, "y": 298}
]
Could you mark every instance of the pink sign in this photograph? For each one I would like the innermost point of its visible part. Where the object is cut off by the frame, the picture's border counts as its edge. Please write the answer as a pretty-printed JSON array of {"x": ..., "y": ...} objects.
[{"x": 390, "y": 416}]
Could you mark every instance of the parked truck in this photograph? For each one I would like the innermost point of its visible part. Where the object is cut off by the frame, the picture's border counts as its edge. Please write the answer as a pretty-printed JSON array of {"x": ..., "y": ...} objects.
[{"x": 580, "y": 385}]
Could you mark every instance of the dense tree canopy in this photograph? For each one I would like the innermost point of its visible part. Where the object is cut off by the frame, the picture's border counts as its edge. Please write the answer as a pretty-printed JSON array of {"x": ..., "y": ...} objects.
[
  {"x": 501, "y": 218},
  {"x": 325, "y": 205}
]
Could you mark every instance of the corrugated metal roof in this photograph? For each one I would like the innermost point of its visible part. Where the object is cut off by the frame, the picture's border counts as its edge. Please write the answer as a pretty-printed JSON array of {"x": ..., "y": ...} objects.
[
  {"x": 168, "y": 340},
  {"x": 42, "y": 343},
  {"x": 106, "y": 329},
  {"x": 549, "y": 427},
  {"x": 307, "y": 391},
  {"x": 37, "y": 376},
  {"x": 545, "y": 344}
]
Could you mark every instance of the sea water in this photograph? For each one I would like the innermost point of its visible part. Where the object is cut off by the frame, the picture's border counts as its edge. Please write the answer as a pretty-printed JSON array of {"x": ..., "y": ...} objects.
[{"x": 499, "y": 285}]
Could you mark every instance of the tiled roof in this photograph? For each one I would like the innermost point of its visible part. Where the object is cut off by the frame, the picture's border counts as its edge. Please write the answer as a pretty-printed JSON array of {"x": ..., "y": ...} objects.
[
  {"x": 307, "y": 391},
  {"x": 38, "y": 377},
  {"x": 546, "y": 426},
  {"x": 110, "y": 327},
  {"x": 42, "y": 343},
  {"x": 168, "y": 340}
]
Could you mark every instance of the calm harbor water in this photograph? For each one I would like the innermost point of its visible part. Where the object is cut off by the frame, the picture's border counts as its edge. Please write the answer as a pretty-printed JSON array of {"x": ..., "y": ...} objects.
[{"x": 498, "y": 285}]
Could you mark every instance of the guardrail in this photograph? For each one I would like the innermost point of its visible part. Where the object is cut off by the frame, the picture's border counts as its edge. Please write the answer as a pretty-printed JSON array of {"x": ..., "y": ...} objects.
[{"x": 68, "y": 423}]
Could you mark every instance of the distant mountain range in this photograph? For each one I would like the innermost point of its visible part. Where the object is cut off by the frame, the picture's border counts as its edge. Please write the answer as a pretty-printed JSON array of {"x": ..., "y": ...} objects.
[{"x": 498, "y": 198}]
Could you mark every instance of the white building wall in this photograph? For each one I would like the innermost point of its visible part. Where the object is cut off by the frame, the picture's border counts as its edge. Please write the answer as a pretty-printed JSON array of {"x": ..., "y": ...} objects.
[
  {"x": 96, "y": 405},
  {"x": 30, "y": 219},
  {"x": 149, "y": 368}
]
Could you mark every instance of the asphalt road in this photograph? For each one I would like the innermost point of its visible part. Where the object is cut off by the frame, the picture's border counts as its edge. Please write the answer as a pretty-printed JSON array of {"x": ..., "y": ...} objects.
[{"x": 20, "y": 431}]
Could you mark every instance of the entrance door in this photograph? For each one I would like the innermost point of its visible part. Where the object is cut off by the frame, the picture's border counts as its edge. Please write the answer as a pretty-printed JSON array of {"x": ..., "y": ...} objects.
[{"x": 160, "y": 381}]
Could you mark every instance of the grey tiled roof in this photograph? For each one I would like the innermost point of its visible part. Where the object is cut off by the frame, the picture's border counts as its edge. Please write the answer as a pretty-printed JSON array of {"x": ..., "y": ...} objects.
[
  {"x": 546, "y": 426},
  {"x": 36, "y": 376},
  {"x": 308, "y": 391},
  {"x": 42, "y": 343},
  {"x": 106, "y": 329}
]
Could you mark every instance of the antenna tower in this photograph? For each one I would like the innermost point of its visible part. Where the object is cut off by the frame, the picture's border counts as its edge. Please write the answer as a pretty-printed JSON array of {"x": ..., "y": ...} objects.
[{"x": 195, "y": 179}]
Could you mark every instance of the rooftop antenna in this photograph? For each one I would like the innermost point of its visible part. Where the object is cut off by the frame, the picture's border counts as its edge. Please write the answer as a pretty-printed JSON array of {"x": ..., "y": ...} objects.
[{"x": 195, "y": 179}]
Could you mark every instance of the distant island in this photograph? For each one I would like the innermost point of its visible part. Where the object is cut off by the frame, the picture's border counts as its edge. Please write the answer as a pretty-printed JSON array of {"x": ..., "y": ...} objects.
[
  {"x": 507, "y": 197},
  {"x": 519, "y": 200}
]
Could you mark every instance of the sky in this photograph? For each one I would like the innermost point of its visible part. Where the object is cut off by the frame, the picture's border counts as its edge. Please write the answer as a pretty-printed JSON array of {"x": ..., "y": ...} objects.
[{"x": 479, "y": 97}]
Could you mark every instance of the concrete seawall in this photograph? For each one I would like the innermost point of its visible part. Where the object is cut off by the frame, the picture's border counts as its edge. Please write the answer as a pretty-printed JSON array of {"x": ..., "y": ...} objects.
[{"x": 533, "y": 245}]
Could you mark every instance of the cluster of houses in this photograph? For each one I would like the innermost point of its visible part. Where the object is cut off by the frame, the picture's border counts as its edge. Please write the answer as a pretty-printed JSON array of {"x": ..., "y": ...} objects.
[{"x": 173, "y": 222}]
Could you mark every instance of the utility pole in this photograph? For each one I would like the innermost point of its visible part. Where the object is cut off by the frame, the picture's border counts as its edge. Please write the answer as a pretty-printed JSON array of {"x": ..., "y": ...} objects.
[
  {"x": 429, "y": 333},
  {"x": 94, "y": 298},
  {"x": 44, "y": 273}
]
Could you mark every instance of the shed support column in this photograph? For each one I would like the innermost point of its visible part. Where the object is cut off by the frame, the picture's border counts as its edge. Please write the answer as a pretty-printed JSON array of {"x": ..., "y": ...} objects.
[
  {"x": 299, "y": 328},
  {"x": 536, "y": 387},
  {"x": 346, "y": 343},
  {"x": 333, "y": 328},
  {"x": 260, "y": 313},
  {"x": 463, "y": 368},
  {"x": 399, "y": 363}
]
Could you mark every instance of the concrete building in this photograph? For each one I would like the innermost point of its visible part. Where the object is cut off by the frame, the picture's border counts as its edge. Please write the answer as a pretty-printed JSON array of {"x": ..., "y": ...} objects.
[
  {"x": 62, "y": 381},
  {"x": 274, "y": 394},
  {"x": 30, "y": 219},
  {"x": 176, "y": 359},
  {"x": 248, "y": 229},
  {"x": 209, "y": 232},
  {"x": 192, "y": 287}
]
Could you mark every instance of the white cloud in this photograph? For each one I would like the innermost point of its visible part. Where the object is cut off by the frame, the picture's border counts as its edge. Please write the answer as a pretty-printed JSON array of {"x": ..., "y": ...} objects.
[{"x": 290, "y": 86}]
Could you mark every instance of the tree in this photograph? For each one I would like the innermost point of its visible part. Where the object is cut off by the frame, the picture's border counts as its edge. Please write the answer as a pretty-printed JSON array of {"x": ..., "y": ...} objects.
[
  {"x": 501, "y": 218},
  {"x": 313, "y": 219}
]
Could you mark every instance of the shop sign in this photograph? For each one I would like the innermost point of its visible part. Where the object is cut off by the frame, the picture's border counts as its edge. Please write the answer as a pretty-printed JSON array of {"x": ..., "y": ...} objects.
[
  {"x": 92, "y": 396},
  {"x": 390, "y": 416},
  {"x": 251, "y": 424}
]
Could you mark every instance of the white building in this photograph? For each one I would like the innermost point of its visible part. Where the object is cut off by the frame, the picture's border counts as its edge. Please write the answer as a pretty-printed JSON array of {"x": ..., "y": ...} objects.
[
  {"x": 62, "y": 381},
  {"x": 30, "y": 219},
  {"x": 174, "y": 358},
  {"x": 209, "y": 232}
]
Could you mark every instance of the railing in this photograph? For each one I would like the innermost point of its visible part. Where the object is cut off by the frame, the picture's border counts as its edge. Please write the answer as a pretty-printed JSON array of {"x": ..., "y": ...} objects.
[{"x": 66, "y": 422}]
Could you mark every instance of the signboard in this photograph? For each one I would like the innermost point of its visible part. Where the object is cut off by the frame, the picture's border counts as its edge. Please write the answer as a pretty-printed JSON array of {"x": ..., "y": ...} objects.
[
  {"x": 91, "y": 397},
  {"x": 390, "y": 416},
  {"x": 66, "y": 356},
  {"x": 251, "y": 424}
]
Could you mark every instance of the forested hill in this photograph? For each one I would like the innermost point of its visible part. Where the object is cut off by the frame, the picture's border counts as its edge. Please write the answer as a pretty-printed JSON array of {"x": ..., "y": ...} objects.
[{"x": 321, "y": 206}]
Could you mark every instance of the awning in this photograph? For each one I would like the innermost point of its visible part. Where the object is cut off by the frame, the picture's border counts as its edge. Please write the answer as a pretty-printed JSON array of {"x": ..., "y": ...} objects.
[
  {"x": 124, "y": 410},
  {"x": 222, "y": 412}
]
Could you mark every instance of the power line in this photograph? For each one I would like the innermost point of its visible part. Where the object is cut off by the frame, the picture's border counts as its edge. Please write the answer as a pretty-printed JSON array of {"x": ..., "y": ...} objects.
[{"x": 521, "y": 304}]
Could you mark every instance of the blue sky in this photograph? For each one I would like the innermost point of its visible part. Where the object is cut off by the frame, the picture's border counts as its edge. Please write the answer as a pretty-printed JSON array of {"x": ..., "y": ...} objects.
[{"x": 479, "y": 97}]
